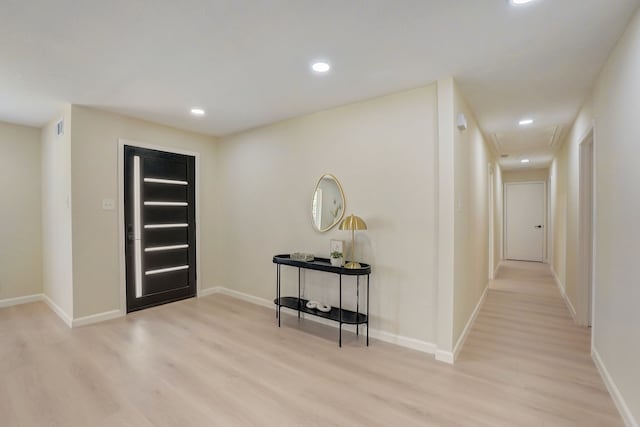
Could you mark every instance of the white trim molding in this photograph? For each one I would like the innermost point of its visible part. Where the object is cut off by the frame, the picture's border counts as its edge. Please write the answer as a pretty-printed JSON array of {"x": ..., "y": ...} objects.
[
  {"x": 566, "y": 299},
  {"x": 59, "y": 311},
  {"x": 96, "y": 318},
  {"x": 402, "y": 341},
  {"x": 10, "y": 302},
  {"x": 463, "y": 337},
  {"x": 207, "y": 291},
  {"x": 445, "y": 356},
  {"x": 495, "y": 272},
  {"x": 412, "y": 343},
  {"x": 72, "y": 323},
  {"x": 618, "y": 400},
  {"x": 244, "y": 297}
]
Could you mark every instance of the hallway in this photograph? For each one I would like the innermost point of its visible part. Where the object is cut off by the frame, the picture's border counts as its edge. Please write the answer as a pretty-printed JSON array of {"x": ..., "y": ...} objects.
[{"x": 526, "y": 345}]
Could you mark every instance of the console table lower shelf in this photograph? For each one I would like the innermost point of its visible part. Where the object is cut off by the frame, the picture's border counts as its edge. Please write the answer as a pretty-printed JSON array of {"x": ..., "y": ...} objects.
[
  {"x": 347, "y": 316},
  {"x": 342, "y": 316}
]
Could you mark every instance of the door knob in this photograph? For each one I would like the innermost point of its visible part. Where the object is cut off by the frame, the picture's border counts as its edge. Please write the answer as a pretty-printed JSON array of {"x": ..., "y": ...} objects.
[{"x": 537, "y": 226}]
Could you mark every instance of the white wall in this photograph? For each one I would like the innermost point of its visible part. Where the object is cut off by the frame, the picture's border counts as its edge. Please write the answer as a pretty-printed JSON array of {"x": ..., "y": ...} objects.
[
  {"x": 558, "y": 216},
  {"x": 94, "y": 154},
  {"x": 565, "y": 209},
  {"x": 612, "y": 112},
  {"x": 616, "y": 324},
  {"x": 382, "y": 152},
  {"x": 472, "y": 159},
  {"x": 497, "y": 218},
  {"x": 445, "y": 220},
  {"x": 20, "y": 215},
  {"x": 462, "y": 224},
  {"x": 523, "y": 175},
  {"x": 56, "y": 216}
]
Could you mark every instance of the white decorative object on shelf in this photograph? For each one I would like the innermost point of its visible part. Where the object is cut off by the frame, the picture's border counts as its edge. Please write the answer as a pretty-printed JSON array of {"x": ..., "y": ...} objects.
[
  {"x": 315, "y": 305},
  {"x": 302, "y": 256},
  {"x": 336, "y": 251},
  {"x": 336, "y": 246},
  {"x": 323, "y": 308}
]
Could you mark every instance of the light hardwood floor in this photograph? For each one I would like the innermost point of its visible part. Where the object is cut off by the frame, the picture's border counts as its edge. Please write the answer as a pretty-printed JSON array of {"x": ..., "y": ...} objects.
[{"x": 217, "y": 361}]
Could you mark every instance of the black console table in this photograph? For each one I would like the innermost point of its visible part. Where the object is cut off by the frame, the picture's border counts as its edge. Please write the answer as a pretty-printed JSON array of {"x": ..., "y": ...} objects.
[{"x": 337, "y": 314}]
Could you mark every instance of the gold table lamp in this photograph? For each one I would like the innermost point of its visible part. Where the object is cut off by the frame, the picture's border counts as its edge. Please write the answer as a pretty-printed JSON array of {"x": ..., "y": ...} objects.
[{"x": 353, "y": 223}]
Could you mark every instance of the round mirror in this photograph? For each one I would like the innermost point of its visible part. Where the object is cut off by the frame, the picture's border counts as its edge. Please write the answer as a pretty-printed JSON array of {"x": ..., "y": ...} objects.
[{"x": 327, "y": 206}]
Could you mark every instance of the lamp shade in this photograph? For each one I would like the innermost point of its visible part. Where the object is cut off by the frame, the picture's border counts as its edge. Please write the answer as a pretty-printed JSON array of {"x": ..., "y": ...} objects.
[{"x": 353, "y": 222}]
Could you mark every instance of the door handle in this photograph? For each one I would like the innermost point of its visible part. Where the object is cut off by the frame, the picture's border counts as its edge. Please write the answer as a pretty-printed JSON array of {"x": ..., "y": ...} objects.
[
  {"x": 537, "y": 226},
  {"x": 130, "y": 234}
]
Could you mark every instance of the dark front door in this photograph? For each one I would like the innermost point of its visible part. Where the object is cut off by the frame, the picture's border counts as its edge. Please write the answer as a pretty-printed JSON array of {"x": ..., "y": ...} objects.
[{"x": 159, "y": 206}]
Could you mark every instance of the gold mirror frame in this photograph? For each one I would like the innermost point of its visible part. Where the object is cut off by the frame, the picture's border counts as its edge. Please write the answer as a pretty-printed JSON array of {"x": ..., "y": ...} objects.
[{"x": 325, "y": 206}]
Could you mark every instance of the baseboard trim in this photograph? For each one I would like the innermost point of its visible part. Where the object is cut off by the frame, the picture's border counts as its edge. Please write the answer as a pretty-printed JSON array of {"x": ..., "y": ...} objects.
[
  {"x": 495, "y": 271},
  {"x": 96, "y": 318},
  {"x": 556, "y": 279},
  {"x": 618, "y": 400},
  {"x": 57, "y": 310},
  {"x": 10, "y": 302},
  {"x": 572, "y": 310},
  {"x": 402, "y": 341},
  {"x": 244, "y": 297},
  {"x": 207, "y": 291},
  {"x": 566, "y": 299},
  {"x": 465, "y": 332},
  {"x": 445, "y": 356}
]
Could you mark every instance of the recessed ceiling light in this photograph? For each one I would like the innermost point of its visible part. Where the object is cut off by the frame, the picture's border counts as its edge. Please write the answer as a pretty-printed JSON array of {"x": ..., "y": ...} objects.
[
  {"x": 525, "y": 122},
  {"x": 520, "y": 2},
  {"x": 321, "y": 67},
  {"x": 524, "y": 161},
  {"x": 197, "y": 111}
]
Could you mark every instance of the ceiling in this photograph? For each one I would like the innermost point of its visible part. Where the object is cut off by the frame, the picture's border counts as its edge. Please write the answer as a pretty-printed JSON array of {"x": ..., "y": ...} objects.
[
  {"x": 246, "y": 62},
  {"x": 535, "y": 145}
]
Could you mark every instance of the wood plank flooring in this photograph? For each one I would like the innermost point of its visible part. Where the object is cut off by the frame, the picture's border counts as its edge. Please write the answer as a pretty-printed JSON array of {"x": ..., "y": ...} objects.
[{"x": 217, "y": 361}]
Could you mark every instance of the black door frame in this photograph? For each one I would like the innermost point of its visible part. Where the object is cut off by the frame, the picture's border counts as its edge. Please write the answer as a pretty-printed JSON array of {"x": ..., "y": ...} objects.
[{"x": 121, "y": 217}]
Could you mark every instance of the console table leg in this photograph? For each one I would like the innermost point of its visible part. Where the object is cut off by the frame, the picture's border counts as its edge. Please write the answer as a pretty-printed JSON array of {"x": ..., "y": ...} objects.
[
  {"x": 340, "y": 324},
  {"x": 357, "y": 305},
  {"x": 298, "y": 293},
  {"x": 367, "y": 310},
  {"x": 278, "y": 293}
]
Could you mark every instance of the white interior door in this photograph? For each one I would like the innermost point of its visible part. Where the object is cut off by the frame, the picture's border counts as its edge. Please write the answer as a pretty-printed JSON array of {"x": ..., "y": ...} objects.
[{"x": 524, "y": 221}]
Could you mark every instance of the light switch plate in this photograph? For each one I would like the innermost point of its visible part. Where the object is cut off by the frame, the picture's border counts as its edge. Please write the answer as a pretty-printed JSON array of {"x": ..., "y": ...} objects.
[{"x": 108, "y": 204}]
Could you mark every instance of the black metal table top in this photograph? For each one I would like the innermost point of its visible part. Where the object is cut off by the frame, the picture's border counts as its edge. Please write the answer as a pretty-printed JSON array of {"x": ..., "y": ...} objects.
[{"x": 322, "y": 264}]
